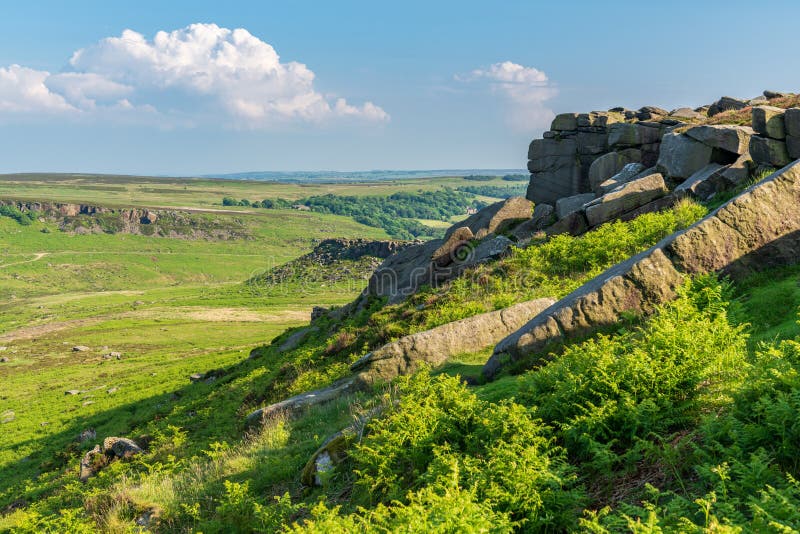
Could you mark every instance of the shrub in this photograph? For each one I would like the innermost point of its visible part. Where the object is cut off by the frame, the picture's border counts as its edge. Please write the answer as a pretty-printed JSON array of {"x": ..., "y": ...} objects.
[
  {"x": 440, "y": 431},
  {"x": 608, "y": 393},
  {"x": 25, "y": 218}
]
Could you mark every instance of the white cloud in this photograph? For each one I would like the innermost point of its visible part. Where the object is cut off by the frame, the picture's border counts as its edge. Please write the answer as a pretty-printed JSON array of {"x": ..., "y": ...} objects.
[
  {"x": 23, "y": 90},
  {"x": 199, "y": 73},
  {"x": 524, "y": 89}
]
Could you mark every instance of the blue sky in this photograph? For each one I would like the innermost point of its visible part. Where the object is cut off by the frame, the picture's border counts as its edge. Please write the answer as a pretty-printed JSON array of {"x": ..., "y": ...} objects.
[{"x": 356, "y": 85}]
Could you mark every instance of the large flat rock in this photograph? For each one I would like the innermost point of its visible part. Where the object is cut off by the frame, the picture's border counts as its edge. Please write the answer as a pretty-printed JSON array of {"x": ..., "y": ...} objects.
[
  {"x": 759, "y": 228},
  {"x": 625, "y": 198},
  {"x": 435, "y": 346},
  {"x": 728, "y": 137}
]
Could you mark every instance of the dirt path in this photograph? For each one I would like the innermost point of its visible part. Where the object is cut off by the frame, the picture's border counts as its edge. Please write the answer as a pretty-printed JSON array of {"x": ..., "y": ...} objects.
[
  {"x": 196, "y": 313},
  {"x": 36, "y": 257}
]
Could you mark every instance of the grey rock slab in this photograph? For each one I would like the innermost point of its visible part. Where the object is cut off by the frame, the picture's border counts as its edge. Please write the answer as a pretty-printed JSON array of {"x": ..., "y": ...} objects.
[
  {"x": 768, "y": 151},
  {"x": 121, "y": 447},
  {"x": 628, "y": 173},
  {"x": 543, "y": 216},
  {"x": 435, "y": 346},
  {"x": 731, "y": 138},
  {"x": 791, "y": 121},
  {"x": 701, "y": 184},
  {"x": 565, "y": 121},
  {"x": 793, "y": 146},
  {"x": 681, "y": 156},
  {"x": 737, "y": 172},
  {"x": 627, "y": 134},
  {"x": 627, "y": 197},
  {"x": 768, "y": 121},
  {"x": 686, "y": 113},
  {"x": 610, "y": 164},
  {"x": 567, "y": 205}
]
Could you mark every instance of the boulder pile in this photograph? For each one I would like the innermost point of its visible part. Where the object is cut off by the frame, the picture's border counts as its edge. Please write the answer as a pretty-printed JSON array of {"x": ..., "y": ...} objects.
[
  {"x": 758, "y": 229},
  {"x": 774, "y": 145}
]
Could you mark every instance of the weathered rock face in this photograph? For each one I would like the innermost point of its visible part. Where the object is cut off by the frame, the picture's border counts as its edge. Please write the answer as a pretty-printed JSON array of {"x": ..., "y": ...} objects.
[
  {"x": 568, "y": 205},
  {"x": 625, "y": 198},
  {"x": 737, "y": 172},
  {"x": 767, "y": 151},
  {"x": 792, "y": 121},
  {"x": 435, "y": 346},
  {"x": 731, "y": 138},
  {"x": 403, "y": 273},
  {"x": 632, "y": 134},
  {"x": 454, "y": 248},
  {"x": 610, "y": 164},
  {"x": 560, "y": 163},
  {"x": 573, "y": 224},
  {"x": 120, "y": 447},
  {"x": 681, "y": 156},
  {"x": 85, "y": 219},
  {"x": 439, "y": 260},
  {"x": 760, "y": 228},
  {"x": 768, "y": 121},
  {"x": 628, "y": 173},
  {"x": 686, "y": 113},
  {"x": 496, "y": 218},
  {"x": 703, "y": 183}
]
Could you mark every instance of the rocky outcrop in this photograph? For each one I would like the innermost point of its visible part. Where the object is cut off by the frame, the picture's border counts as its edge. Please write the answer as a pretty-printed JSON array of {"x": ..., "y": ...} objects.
[
  {"x": 727, "y": 137},
  {"x": 89, "y": 219},
  {"x": 496, "y": 218},
  {"x": 435, "y": 346},
  {"x": 776, "y": 136},
  {"x": 760, "y": 228},
  {"x": 581, "y": 150},
  {"x": 466, "y": 244},
  {"x": 98, "y": 458},
  {"x": 792, "y": 123},
  {"x": 431, "y": 347},
  {"x": 629, "y": 172},
  {"x": 329, "y": 251}
]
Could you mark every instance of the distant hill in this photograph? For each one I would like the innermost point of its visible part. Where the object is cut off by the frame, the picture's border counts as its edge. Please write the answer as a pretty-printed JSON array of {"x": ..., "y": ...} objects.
[{"x": 358, "y": 176}]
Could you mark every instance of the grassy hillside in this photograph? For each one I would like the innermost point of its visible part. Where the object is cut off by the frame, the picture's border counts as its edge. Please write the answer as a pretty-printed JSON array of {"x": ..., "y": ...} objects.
[
  {"x": 169, "y": 307},
  {"x": 685, "y": 421}
]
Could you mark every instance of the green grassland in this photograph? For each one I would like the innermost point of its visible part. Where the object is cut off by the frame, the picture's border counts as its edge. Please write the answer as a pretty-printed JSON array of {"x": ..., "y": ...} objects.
[
  {"x": 672, "y": 421},
  {"x": 170, "y": 307},
  {"x": 111, "y": 190}
]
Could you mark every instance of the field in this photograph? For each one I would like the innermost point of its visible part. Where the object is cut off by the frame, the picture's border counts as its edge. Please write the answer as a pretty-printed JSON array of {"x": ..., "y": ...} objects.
[
  {"x": 196, "y": 192},
  {"x": 169, "y": 307}
]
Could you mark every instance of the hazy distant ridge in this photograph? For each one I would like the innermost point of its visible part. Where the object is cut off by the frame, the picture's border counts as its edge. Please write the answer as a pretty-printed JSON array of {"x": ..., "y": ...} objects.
[{"x": 357, "y": 176}]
